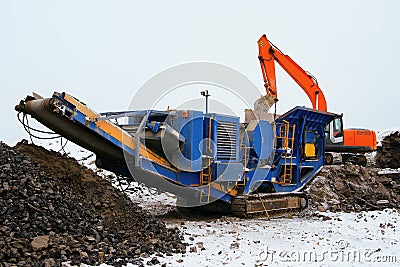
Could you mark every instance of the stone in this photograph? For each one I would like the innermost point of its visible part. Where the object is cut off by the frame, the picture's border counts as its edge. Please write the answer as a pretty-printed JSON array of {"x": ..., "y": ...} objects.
[
  {"x": 40, "y": 242},
  {"x": 101, "y": 257},
  {"x": 50, "y": 262},
  {"x": 321, "y": 208},
  {"x": 200, "y": 245},
  {"x": 382, "y": 202},
  {"x": 339, "y": 185},
  {"x": 334, "y": 201},
  {"x": 234, "y": 245},
  {"x": 144, "y": 255},
  {"x": 153, "y": 261},
  {"x": 83, "y": 255},
  {"x": 91, "y": 238},
  {"x": 6, "y": 186}
]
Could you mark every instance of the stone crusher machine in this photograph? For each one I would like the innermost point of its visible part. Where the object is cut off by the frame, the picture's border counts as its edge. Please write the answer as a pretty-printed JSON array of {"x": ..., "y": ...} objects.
[{"x": 209, "y": 161}]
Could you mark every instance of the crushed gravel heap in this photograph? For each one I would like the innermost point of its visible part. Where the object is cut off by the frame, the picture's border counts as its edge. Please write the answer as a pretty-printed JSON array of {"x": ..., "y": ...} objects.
[
  {"x": 354, "y": 188},
  {"x": 388, "y": 154},
  {"x": 54, "y": 210}
]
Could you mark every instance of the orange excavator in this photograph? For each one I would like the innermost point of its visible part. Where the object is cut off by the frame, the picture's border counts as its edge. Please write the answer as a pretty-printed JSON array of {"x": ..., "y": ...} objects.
[{"x": 349, "y": 144}]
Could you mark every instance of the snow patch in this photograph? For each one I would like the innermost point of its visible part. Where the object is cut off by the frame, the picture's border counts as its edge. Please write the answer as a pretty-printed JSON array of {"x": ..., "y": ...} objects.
[
  {"x": 228, "y": 241},
  {"x": 389, "y": 171},
  {"x": 386, "y": 133}
]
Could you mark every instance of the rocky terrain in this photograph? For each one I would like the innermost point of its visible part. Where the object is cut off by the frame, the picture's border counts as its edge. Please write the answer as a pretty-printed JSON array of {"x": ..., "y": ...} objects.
[
  {"x": 54, "y": 210},
  {"x": 388, "y": 154},
  {"x": 351, "y": 188},
  {"x": 354, "y": 188}
]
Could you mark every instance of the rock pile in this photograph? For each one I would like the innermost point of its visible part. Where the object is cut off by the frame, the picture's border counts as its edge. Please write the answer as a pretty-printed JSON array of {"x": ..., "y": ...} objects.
[
  {"x": 354, "y": 188},
  {"x": 388, "y": 154},
  {"x": 54, "y": 210}
]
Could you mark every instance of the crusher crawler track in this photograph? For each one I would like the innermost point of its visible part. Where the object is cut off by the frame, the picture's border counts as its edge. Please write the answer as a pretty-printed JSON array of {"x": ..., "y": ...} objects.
[{"x": 268, "y": 204}]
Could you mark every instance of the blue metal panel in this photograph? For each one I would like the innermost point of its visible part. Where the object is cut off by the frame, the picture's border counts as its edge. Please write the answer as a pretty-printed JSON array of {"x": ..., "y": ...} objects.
[
  {"x": 188, "y": 178},
  {"x": 314, "y": 118},
  {"x": 254, "y": 177},
  {"x": 232, "y": 171},
  {"x": 158, "y": 169},
  {"x": 263, "y": 137},
  {"x": 309, "y": 137},
  {"x": 188, "y": 123}
]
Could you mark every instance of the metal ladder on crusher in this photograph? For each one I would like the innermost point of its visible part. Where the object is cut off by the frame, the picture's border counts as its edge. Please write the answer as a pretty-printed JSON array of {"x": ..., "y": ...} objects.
[
  {"x": 287, "y": 137},
  {"x": 205, "y": 181},
  {"x": 206, "y": 173}
]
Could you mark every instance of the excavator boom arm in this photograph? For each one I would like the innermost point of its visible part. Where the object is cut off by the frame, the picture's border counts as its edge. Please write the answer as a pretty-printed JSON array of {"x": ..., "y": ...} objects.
[{"x": 268, "y": 54}]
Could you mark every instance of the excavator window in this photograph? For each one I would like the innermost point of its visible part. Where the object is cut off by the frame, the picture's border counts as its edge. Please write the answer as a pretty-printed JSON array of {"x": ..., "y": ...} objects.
[
  {"x": 327, "y": 128},
  {"x": 337, "y": 127}
]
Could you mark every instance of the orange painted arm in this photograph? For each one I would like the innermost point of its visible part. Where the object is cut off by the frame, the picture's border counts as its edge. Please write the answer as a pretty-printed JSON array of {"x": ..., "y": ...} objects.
[{"x": 268, "y": 54}]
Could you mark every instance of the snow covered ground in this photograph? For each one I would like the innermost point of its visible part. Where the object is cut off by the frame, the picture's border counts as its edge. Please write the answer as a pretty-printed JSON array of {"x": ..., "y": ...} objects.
[
  {"x": 345, "y": 239},
  {"x": 328, "y": 239},
  {"x": 367, "y": 239}
]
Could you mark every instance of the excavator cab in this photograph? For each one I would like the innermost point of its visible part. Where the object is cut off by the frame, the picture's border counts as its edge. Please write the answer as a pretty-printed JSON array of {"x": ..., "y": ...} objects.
[
  {"x": 334, "y": 134},
  {"x": 335, "y": 130},
  {"x": 334, "y": 137}
]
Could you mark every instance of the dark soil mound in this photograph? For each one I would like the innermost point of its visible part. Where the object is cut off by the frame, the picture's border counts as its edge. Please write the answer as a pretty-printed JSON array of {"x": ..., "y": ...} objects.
[
  {"x": 52, "y": 210},
  {"x": 388, "y": 154},
  {"x": 354, "y": 188}
]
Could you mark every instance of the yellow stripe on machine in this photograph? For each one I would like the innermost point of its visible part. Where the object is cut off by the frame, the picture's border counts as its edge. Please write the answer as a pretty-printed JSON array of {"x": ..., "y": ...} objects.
[{"x": 115, "y": 131}]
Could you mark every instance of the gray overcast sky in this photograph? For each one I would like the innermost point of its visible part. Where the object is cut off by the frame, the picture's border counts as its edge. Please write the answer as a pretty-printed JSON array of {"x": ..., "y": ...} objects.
[{"x": 103, "y": 51}]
